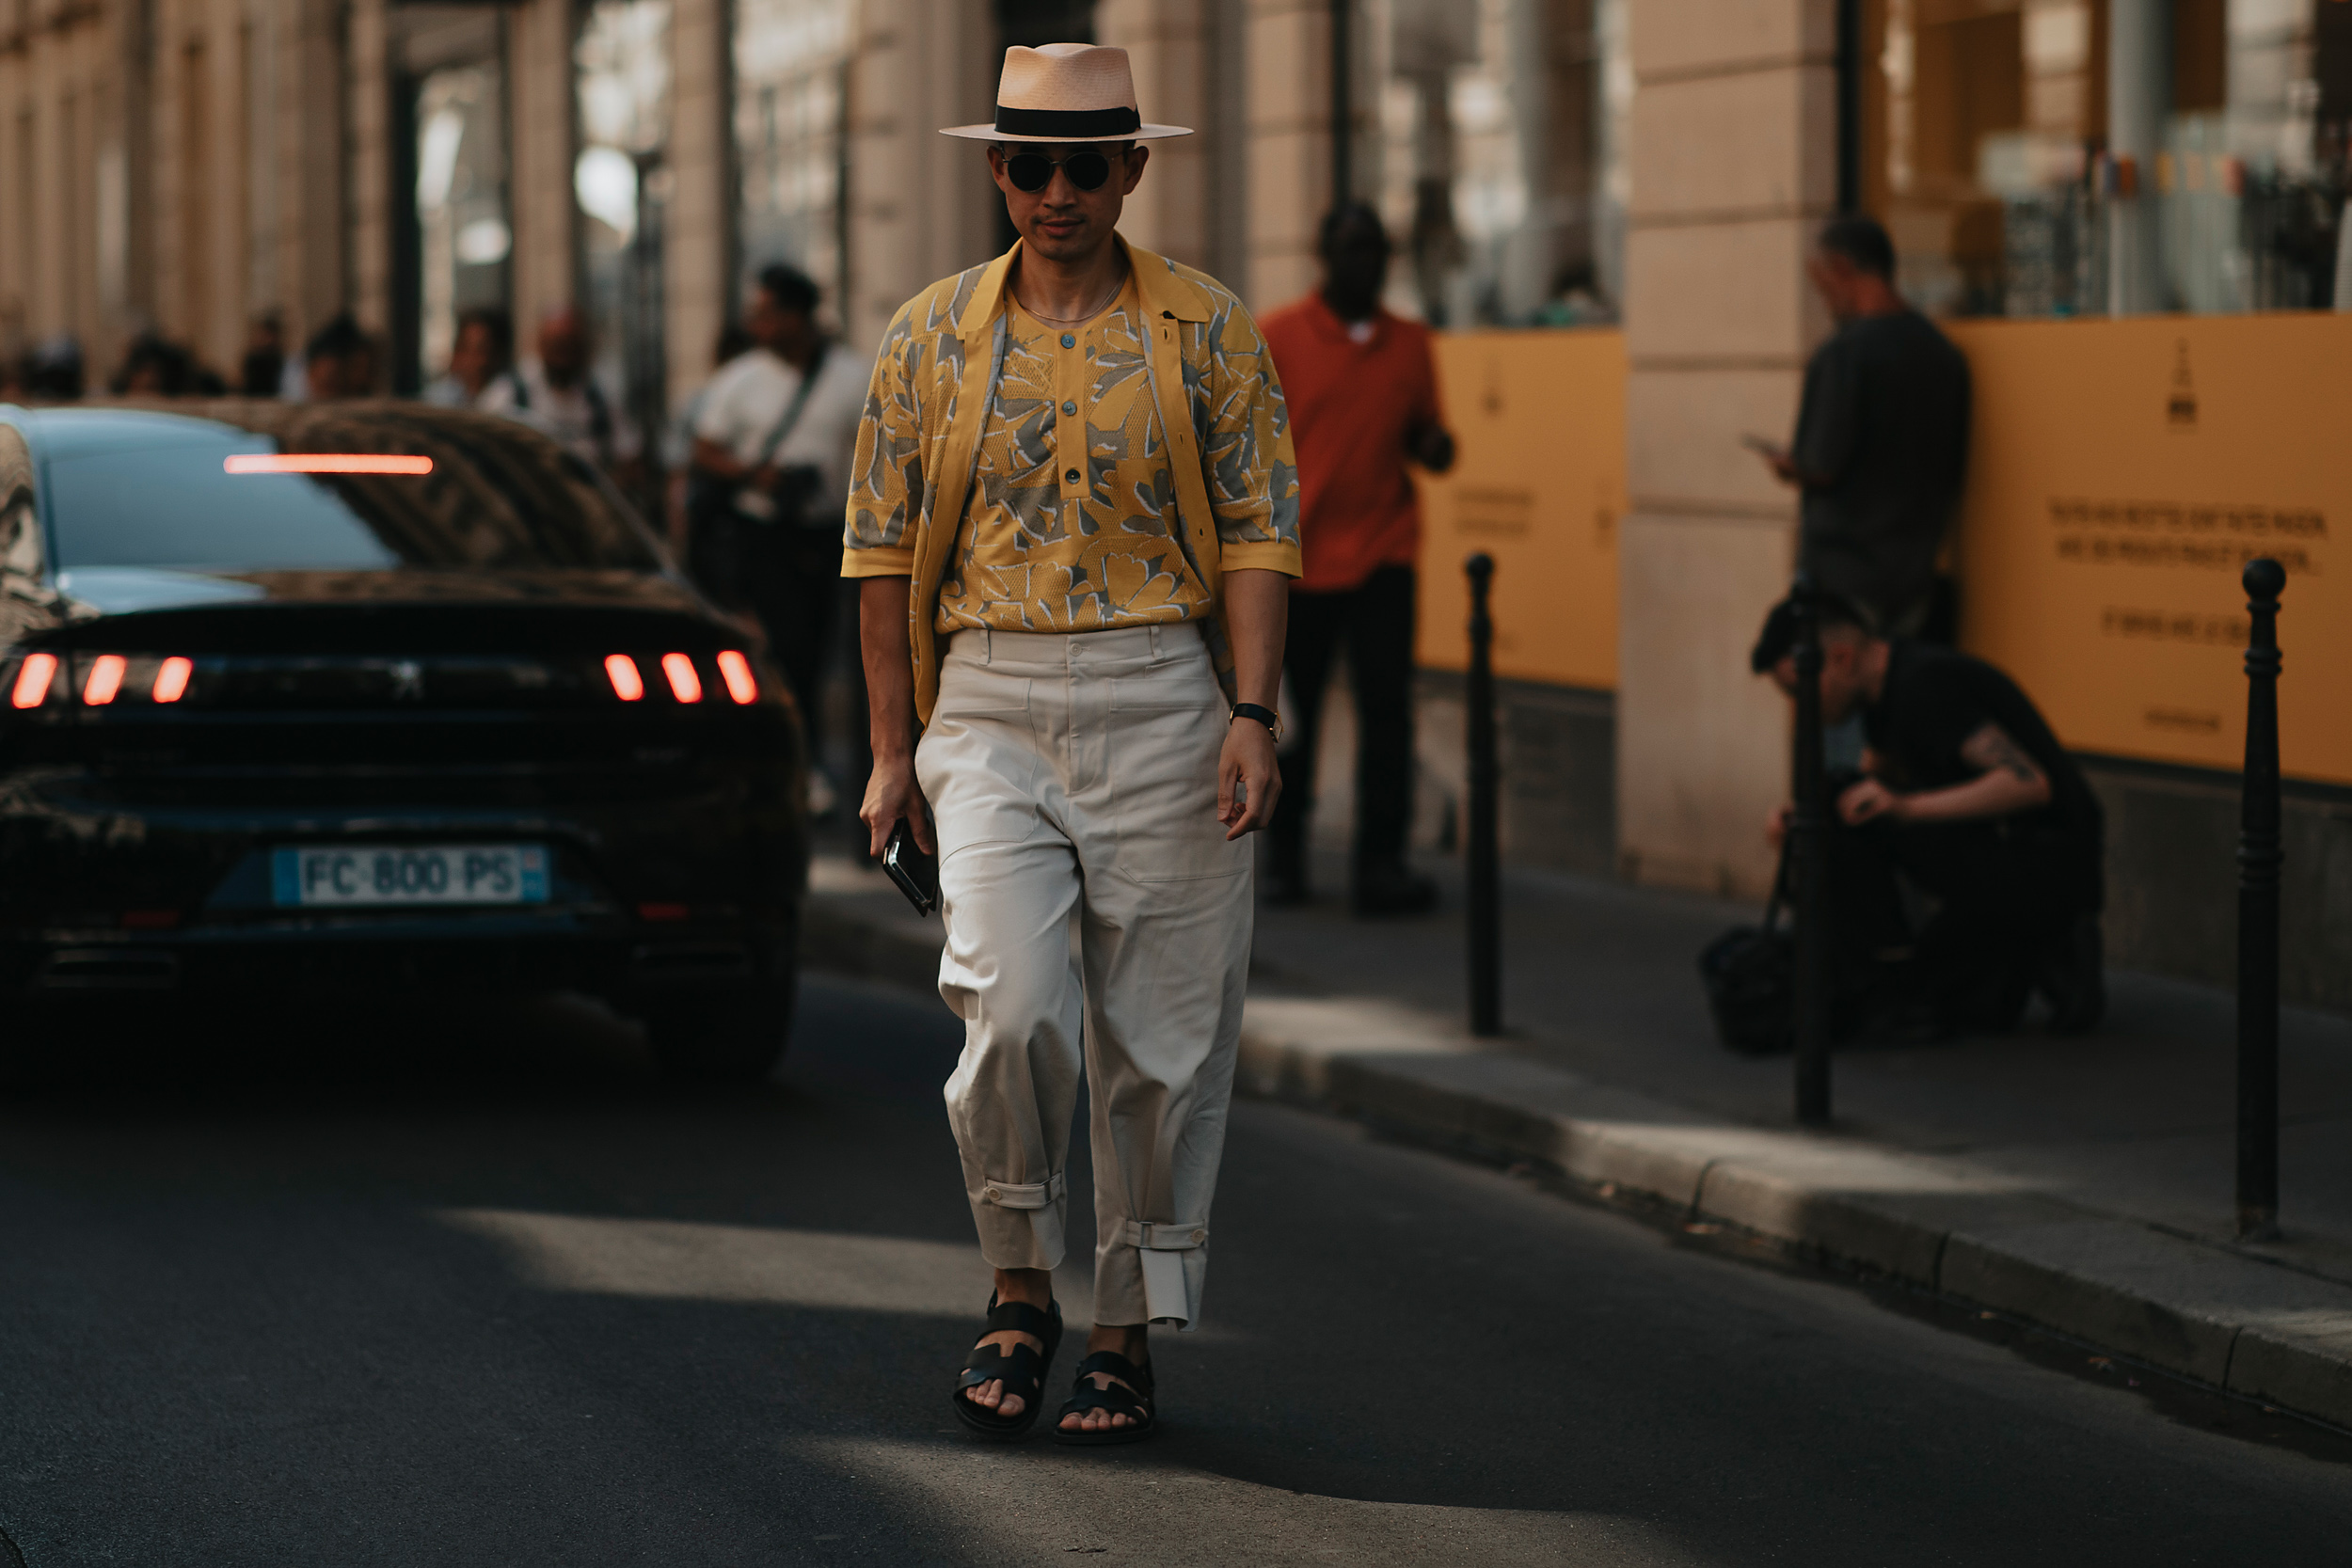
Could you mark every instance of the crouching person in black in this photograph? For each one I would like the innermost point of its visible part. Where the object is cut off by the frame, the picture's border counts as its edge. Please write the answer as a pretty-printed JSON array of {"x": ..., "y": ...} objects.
[{"x": 1966, "y": 794}]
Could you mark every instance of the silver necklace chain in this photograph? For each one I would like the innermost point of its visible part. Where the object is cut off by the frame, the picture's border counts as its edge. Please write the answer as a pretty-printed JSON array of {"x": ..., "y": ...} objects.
[{"x": 1116, "y": 283}]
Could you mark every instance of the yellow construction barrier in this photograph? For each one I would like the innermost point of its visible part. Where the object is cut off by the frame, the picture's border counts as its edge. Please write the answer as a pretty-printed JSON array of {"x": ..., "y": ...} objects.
[
  {"x": 1539, "y": 486},
  {"x": 2121, "y": 474}
]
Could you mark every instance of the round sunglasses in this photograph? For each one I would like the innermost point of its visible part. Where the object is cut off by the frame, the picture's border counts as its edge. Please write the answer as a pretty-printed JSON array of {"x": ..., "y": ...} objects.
[{"x": 1034, "y": 172}]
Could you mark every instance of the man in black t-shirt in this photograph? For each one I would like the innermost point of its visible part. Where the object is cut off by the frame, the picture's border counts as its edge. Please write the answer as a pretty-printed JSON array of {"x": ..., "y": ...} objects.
[
  {"x": 1968, "y": 794},
  {"x": 1882, "y": 442}
]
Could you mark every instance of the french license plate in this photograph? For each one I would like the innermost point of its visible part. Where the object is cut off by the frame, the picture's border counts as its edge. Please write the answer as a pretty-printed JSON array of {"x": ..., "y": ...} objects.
[{"x": 376, "y": 876}]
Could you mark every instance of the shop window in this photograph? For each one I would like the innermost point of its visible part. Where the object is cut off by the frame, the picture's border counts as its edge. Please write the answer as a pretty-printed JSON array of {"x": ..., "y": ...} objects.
[
  {"x": 1499, "y": 164},
  {"x": 791, "y": 137},
  {"x": 2062, "y": 157},
  {"x": 622, "y": 84},
  {"x": 462, "y": 235}
]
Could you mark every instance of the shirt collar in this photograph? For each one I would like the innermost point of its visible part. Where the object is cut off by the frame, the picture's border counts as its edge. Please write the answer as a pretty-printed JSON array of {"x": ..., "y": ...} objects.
[
  {"x": 1332, "y": 327},
  {"x": 1160, "y": 290}
]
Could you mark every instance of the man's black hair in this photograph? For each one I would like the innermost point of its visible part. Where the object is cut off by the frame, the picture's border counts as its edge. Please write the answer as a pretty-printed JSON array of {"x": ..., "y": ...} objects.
[
  {"x": 497, "y": 323},
  {"x": 1778, "y": 638},
  {"x": 1861, "y": 241},
  {"x": 789, "y": 287},
  {"x": 340, "y": 339},
  {"x": 1346, "y": 216}
]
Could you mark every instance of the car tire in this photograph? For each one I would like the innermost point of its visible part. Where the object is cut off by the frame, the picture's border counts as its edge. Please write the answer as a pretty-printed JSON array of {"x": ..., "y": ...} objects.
[{"x": 736, "y": 1039}]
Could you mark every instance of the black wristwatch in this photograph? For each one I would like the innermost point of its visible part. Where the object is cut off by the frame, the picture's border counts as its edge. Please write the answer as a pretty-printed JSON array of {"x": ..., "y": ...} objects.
[{"x": 1265, "y": 716}]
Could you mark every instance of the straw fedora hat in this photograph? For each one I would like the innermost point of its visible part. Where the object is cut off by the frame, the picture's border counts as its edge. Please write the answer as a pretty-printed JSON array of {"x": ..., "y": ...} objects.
[{"x": 1066, "y": 92}]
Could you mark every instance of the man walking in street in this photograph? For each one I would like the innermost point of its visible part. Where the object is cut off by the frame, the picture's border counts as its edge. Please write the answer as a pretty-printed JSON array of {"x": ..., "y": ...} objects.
[
  {"x": 772, "y": 442},
  {"x": 1881, "y": 443},
  {"x": 1075, "y": 512},
  {"x": 1362, "y": 390}
]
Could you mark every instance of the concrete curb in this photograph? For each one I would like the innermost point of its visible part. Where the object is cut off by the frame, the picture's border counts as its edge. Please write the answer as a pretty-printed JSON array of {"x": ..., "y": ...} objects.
[{"x": 2201, "y": 1311}]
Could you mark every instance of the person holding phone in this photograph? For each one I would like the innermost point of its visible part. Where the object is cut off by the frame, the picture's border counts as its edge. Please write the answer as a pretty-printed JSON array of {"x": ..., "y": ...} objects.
[
  {"x": 1075, "y": 516},
  {"x": 1882, "y": 442}
]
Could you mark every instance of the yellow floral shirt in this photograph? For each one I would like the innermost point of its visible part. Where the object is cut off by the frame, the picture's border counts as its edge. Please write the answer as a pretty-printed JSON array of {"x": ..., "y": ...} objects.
[{"x": 1071, "y": 522}]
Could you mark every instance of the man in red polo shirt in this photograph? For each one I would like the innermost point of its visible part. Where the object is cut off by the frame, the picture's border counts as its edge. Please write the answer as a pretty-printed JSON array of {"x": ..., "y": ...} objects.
[{"x": 1362, "y": 392}]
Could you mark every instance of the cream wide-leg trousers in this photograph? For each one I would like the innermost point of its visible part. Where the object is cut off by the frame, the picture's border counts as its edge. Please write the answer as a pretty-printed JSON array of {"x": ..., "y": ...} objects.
[{"x": 1074, "y": 779}]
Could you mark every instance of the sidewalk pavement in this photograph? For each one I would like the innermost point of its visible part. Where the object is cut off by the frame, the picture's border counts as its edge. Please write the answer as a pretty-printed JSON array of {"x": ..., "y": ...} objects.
[{"x": 2084, "y": 1186}]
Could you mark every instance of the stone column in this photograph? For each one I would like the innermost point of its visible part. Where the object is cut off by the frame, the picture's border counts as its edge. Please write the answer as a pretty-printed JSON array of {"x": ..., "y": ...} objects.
[
  {"x": 368, "y": 287},
  {"x": 1168, "y": 46},
  {"x": 697, "y": 246},
  {"x": 311, "y": 236},
  {"x": 921, "y": 204},
  {"x": 544, "y": 141},
  {"x": 1733, "y": 164},
  {"x": 1287, "y": 52}
]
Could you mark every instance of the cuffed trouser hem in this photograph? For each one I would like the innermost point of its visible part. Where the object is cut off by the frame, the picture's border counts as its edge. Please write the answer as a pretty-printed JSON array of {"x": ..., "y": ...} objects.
[
  {"x": 1151, "y": 1274},
  {"x": 1021, "y": 1223}
]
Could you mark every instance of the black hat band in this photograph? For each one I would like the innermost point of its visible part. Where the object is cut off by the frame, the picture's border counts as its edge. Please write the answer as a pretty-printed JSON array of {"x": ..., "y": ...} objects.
[{"x": 1069, "y": 124}]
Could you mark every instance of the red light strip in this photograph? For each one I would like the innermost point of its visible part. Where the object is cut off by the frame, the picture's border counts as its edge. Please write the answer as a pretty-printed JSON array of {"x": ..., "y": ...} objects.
[
  {"x": 621, "y": 670},
  {"x": 32, "y": 680},
  {"x": 686, "y": 686},
  {"x": 736, "y": 670},
  {"x": 325, "y": 463},
  {"x": 105, "y": 679},
  {"x": 171, "y": 680}
]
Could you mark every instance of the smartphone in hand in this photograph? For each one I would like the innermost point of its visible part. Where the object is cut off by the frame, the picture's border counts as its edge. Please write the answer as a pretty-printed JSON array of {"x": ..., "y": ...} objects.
[{"x": 917, "y": 873}]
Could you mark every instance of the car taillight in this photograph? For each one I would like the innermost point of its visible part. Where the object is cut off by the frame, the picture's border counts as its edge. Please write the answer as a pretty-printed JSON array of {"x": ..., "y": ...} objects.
[
  {"x": 172, "y": 679},
  {"x": 686, "y": 686},
  {"x": 32, "y": 680},
  {"x": 105, "y": 679},
  {"x": 736, "y": 672},
  {"x": 621, "y": 670}
]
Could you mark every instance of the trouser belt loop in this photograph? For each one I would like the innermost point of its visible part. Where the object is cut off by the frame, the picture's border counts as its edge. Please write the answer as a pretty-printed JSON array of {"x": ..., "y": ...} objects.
[
  {"x": 1021, "y": 1195},
  {"x": 1166, "y": 1235}
]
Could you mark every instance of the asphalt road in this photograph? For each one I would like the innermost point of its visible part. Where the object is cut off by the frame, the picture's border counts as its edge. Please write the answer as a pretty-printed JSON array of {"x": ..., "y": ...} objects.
[{"x": 430, "y": 1289}]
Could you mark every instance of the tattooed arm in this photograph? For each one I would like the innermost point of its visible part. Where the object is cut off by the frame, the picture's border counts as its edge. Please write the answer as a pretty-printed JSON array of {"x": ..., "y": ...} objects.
[{"x": 2008, "y": 781}]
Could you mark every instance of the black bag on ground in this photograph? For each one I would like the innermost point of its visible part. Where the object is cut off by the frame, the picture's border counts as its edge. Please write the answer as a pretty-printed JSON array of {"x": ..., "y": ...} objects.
[{"x": 1749, "y": 976}]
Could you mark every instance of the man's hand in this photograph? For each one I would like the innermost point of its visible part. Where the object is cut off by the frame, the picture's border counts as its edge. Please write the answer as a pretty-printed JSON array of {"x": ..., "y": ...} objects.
[
  {"x": 1430, "y": 445},
  {"x": 1869, "y": 799},
  {"x": 1248, "y": 760},
  {"x": 1776, "y": 824},
  {"x": 892, "y": 793}
]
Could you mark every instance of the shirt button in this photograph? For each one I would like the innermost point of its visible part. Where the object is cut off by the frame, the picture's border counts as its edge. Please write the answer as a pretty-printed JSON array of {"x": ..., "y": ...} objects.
[
  {"x": 1072, "y": 477},
  {"x": 1069, "y": 341},
  {"x": 991, "y": 1195},
  {"x": 1069, "y": 408},
  {"x": 1199, "y": 1235}
]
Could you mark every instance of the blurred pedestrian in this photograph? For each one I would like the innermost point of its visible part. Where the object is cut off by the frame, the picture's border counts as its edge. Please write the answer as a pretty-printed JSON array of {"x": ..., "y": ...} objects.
[
  {"x": 677, "y": 440},
  {"x": 479, "y": 353},
  {"x": 339, "y": 361},
  {"x": 263, "y": 371},
  {"x": 1362, "y": 389},
  {"x": 1882, "y": 442},
  {"x": 558, "y": 393},
  {"x": 772, "y": 444},
  {"x": 1968, "y": 795},
  {"x": 56, "y": 368},
  {"x": 153, "y": 367},
  {"x": 1075, "y": 470}
]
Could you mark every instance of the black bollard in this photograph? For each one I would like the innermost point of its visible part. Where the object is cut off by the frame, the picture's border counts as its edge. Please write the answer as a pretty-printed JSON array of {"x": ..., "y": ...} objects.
[
  {"x": 1809, "y": 832},
  {"x": 1485, "y": 891},
  {"x": 2259, "y": 857}
]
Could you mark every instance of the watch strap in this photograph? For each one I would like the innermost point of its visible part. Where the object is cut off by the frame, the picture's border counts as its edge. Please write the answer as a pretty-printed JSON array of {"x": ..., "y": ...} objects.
[{"x": 1265, "y": 716}]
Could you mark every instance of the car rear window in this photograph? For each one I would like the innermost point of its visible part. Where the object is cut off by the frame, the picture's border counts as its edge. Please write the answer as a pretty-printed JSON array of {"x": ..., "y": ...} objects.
[{"x": 496, "y": 498}]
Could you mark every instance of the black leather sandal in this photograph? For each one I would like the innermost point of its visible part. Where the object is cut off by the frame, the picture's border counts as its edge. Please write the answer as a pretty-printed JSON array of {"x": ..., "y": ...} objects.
[
  {"x": 1132, "y": 1401},
  {"x": 1022, "y": 1369}
]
